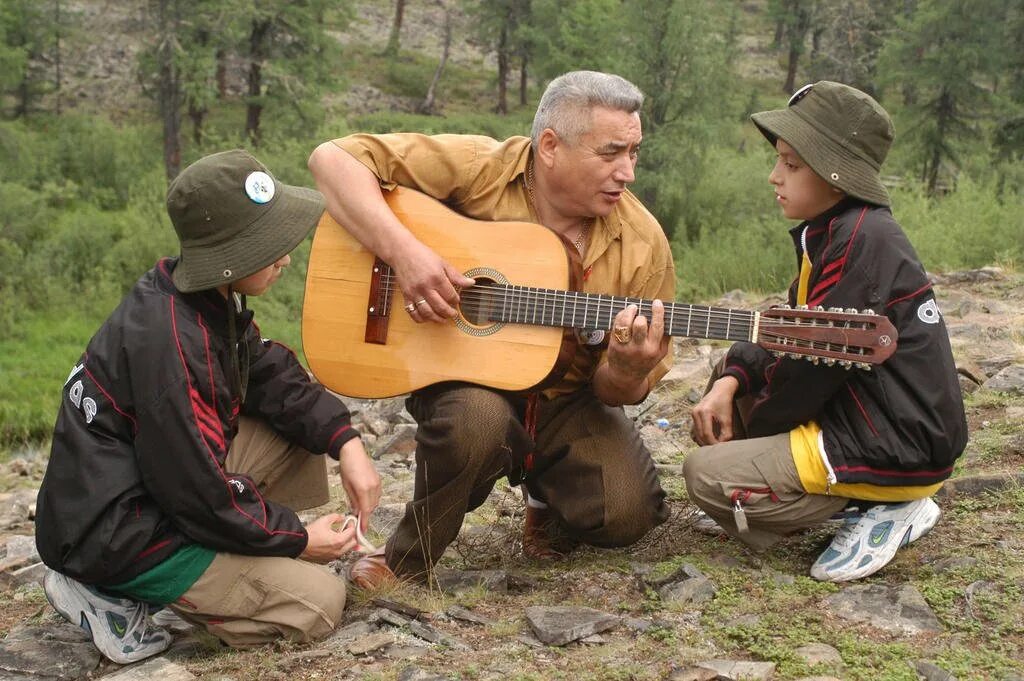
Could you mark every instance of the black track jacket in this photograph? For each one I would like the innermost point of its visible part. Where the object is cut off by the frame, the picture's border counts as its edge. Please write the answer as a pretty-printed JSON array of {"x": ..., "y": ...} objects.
[
  {"x": 137, "y": 464},
  {"x": 903, "y": 422}
]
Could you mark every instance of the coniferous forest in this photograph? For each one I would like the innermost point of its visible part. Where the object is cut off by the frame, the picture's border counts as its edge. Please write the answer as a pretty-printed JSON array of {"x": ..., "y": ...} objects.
[{"x": 102, "y": 103}]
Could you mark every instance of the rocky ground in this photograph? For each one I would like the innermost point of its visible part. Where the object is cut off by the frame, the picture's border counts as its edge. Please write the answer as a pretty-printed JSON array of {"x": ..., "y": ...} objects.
[{"x": 679, "y": 605}]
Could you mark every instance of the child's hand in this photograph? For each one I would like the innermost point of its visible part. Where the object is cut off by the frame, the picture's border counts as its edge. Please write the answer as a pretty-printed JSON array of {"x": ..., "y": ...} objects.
[
  {"x": 325, "y": 543},
  {"x": 360, "y": 479},
  {"x": 712, "y": 416}
]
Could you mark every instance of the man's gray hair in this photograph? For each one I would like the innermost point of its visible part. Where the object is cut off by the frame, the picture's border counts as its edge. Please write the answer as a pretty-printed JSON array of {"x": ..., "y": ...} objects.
[{"x": 566, "y": 104}]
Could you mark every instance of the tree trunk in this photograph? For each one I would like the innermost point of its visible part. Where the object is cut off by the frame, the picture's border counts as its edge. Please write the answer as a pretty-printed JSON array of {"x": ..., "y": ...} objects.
[
  {"x": 254, "y": 107},
  {"x": 396, "y": 29},
  {"x": 502, "y": 107},
  {"x": 222, "y": 73},
  {"x": 945, "y": 112},
  {"x": 523, "y": 80},
  {"x": 790, "y": 84},
  {"x": 58, "y": 73},
  {"x": 198, "y": 117},
  {"x": 427, "y": 107},
  {"x": 169, "y": 89}
]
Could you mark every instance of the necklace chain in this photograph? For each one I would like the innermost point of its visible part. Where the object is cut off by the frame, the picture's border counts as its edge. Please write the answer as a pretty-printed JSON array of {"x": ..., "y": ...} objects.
[{"x": 580, "y": 242}]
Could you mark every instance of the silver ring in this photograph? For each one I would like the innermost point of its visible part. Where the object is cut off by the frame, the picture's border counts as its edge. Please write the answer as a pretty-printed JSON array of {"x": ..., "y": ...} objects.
[
  {"x": 421, "y": 301},
  {"x": 410, "y": 308}
]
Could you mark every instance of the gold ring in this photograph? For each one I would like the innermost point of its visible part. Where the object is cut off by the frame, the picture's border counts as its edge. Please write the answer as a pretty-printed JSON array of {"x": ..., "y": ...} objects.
[
  {"x": 421, "y": 301},
  {"x": 623, "y": 334},
  {"x": 410, "y": 308}
]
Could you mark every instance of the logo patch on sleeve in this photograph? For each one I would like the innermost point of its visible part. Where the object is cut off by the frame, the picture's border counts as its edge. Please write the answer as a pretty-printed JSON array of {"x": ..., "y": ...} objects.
[{"x": 928, "y": 312}]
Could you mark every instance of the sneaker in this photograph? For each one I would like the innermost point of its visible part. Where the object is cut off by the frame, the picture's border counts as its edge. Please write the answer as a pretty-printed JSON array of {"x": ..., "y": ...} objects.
[
  {"x": 118, "y": 626},
  {"x": 866, "y": 543},
  {"x": 165, "y": 618},
  {"x": 705, "y": 524}
]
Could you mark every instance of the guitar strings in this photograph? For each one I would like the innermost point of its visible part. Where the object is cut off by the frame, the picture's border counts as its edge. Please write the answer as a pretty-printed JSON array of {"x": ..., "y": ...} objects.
[{"x": 549, "y": 299}]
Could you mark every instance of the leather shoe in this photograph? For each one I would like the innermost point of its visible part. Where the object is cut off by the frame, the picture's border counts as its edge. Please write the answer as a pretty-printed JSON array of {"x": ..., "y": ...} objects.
[
  {"x": 543, "y": 537},
  {"x": 371, "y": 571}
]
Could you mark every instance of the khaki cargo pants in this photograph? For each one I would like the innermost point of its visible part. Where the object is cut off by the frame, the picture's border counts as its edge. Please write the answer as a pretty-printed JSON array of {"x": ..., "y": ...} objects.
[
  {"x": 760, "y": 475},
  {"x": 250, "y": 600}
]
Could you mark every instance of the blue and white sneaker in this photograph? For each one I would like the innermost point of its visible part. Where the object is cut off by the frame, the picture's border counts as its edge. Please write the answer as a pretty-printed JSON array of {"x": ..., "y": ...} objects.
[
  {"x": 866, "y": 543},
  {"x": 119, "y": 626}
]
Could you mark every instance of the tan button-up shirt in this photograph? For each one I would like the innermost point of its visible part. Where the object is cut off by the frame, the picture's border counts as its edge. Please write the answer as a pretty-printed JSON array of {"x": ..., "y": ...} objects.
[{"x": 481, "y": 178}]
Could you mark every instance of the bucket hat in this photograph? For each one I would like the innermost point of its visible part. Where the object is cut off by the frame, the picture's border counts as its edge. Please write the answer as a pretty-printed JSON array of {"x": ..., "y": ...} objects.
[
  {"x": 842, "y": 133},
  {"x": 233, "y": 219}
]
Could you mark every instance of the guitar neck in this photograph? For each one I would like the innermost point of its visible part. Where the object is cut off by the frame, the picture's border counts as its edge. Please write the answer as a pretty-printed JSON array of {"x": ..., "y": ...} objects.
[{"x": 572, "y": 309}]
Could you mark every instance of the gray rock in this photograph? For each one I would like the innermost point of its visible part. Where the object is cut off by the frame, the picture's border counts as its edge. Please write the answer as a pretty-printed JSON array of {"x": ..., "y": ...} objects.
[
  {"x": 693, "y": 674},
  {"x": 405, "y": 651},
  {"x": 466, "y": 615},
  {"x": 401, "y": 443},
  {"x": 60, "y": 651},
  {"x": 932, "y": 672},
  {"x": 157, "y": 669},
  {"x": 994, "y": 364},
  {"x": 953, "y": 563},
  {"x": 819, "y": 653},
  {"x": 456, "y": 581},
  {"x": 416, "y": 674},
  {"x": 30, "y": 574},
  {"x": 685, "y": 585},
  {"x": 740, "y": 669},
  {"x": 558, "y": 625},
  {"x": 896, "y": 609},
  {"x": 388, "y": 617},
  {"x": 977, "y": 485},
  {"x": 21, "y": 546},
  {"x": 350, "y": 632},
  {"x": 370, "y": 642},
  {"x": 1009, "y": 380}
]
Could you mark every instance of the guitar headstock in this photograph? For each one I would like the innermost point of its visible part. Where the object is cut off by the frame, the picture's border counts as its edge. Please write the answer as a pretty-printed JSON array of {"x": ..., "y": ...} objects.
[{"x": 848, "y": 337}]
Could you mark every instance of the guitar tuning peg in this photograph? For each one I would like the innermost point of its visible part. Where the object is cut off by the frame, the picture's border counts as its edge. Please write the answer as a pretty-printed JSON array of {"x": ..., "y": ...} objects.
[
  {"x": 851, "y": 310},
  {"x": 813, "y": 360},
  {"x": 846, "y": 364},
  {"x": 835, "y": 309},
  {"x": 802, "y": 307},
  {"x": 819, "y": 308},
  {"x": 866, "y": 311},
  {"x": 864, "y": 365},
  {"x": 793, "y": 355},
  {"x": 829, "y": 361}
]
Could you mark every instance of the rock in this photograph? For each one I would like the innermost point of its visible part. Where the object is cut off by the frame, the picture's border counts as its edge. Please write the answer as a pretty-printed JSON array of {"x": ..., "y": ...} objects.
[
  {"x": 388, "y": 617},
  {"x": 371, "y": 642},
  {"x": 59, "y": 651},
  {"x": 559, "y": 624},
  {"x": 30, "y": 574},
  {"x": 896, "y": 609},
  {"x": 466, "y": 615},
  {"x": 693, "y": 674},
  {"x": 953, "y": 563},
  {"x": 740, "y": 669},
  {"x": 1008, "y": 380},
  {"x": 351, "y": 632},
  {"x": 993, "y": 364},
  {"x": 156, "y": 669},
  {"x": 932, "y": 672},
  {"x": 819, "y": 653},
  {"x": 456, "y": 581},
  {"x": 415, "y": 674},
  {"x": 977, "y": 485},
  {"x": 685, "y": 585},
  {"x": 400, "y": 444}
]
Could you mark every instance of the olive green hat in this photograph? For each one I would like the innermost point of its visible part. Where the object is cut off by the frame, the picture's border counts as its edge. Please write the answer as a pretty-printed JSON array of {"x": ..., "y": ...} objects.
[
  {"x": 233, "y": 219},
  {"x": 840, "y": 132}
]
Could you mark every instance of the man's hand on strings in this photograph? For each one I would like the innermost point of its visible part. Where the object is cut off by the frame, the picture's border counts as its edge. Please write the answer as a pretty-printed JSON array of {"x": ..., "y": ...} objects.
[{"x": 429, "y": 285}]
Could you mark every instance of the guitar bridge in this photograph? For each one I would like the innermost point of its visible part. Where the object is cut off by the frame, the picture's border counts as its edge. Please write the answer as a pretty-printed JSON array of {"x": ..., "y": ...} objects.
[{"x": 378, "y": 308}]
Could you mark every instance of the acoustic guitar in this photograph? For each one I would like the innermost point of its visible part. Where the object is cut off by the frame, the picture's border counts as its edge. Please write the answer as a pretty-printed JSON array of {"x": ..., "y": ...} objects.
[{"x": 516, "y": 328}]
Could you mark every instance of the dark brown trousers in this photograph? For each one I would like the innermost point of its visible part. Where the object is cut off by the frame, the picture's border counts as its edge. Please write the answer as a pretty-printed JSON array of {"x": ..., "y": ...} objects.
[{"x": 588, "y": 464}]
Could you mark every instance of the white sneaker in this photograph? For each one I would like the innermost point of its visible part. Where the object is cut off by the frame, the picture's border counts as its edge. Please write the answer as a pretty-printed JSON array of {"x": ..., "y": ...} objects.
[
  {"x": 118, "y": 626},
  {"x": 866, "y": 543}
]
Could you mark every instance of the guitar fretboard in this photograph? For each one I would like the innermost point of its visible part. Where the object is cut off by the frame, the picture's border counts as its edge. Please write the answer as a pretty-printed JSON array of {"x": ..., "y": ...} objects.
[{"x": 571, "y": 309}]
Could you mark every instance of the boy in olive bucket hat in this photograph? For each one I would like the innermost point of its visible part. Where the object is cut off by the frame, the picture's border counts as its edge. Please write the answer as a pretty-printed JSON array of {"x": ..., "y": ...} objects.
[
  {"x": 185, "y": 442},
  {"x": 790, "y": 443}
]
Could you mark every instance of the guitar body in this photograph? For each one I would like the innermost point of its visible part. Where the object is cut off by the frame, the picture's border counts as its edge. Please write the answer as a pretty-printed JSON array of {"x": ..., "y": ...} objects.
[{"x": 404, "y": 355}]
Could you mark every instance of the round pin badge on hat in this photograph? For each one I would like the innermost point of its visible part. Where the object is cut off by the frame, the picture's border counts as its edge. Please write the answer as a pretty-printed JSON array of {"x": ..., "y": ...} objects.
[{"x": 259, "y": 187}]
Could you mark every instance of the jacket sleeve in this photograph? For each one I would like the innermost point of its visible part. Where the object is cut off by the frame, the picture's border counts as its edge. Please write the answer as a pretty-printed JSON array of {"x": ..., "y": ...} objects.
[
  {"x": 795, "y": 391},
  {"x": 181, "y": 446},
  {"x": 281, "y": 392}
]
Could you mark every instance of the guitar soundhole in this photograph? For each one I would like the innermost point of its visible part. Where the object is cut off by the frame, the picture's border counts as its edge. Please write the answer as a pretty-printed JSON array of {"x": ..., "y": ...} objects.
[{"x": 476, "y": 306}]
